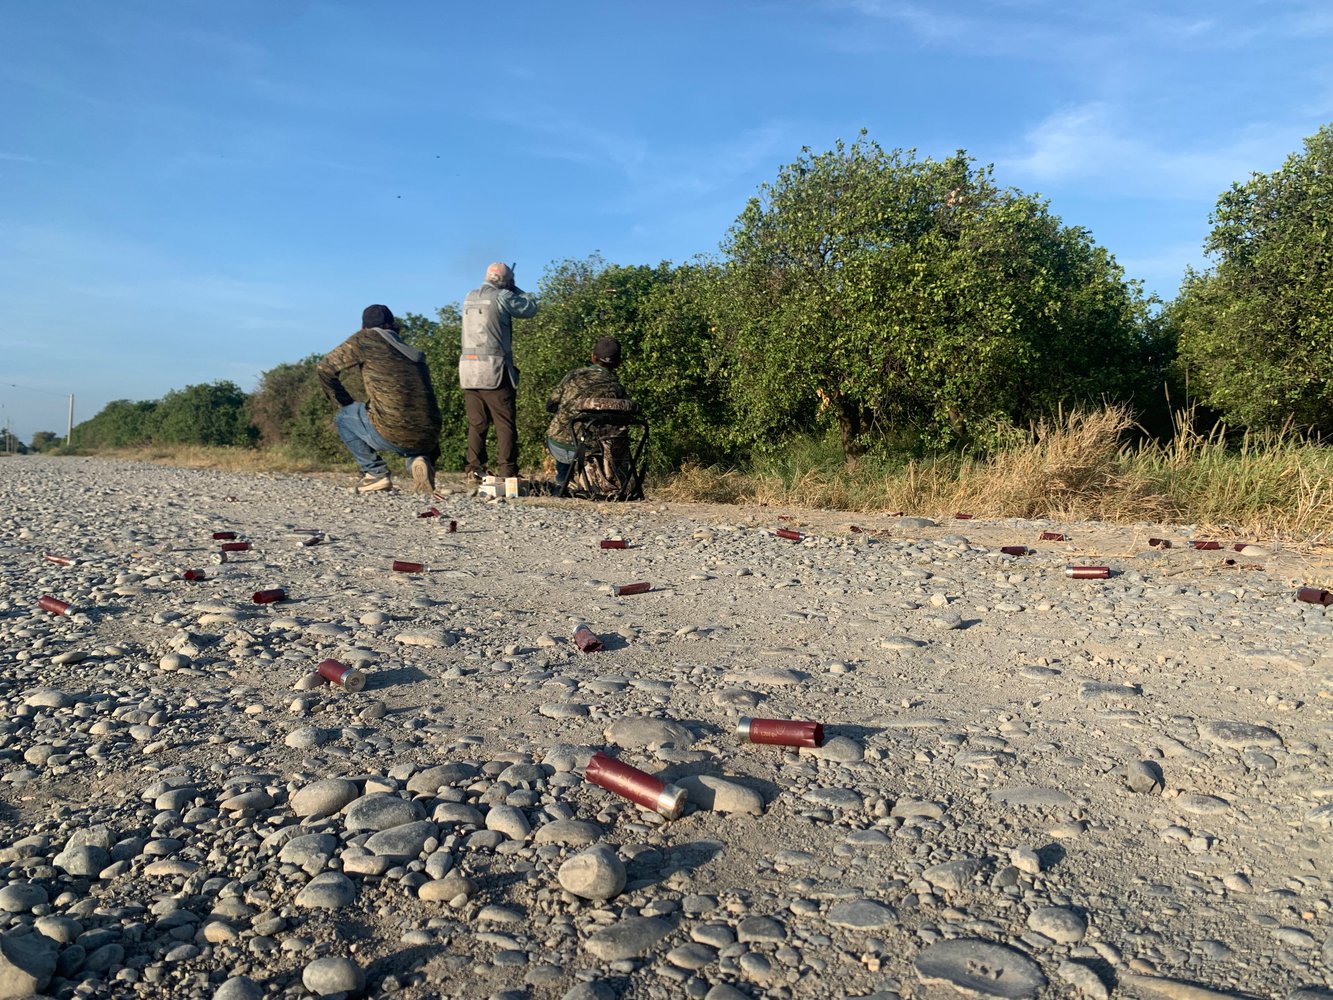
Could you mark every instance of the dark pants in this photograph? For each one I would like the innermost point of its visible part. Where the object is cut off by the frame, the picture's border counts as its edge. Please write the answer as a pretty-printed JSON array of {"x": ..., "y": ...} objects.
[{"x": 485, "y": 407}]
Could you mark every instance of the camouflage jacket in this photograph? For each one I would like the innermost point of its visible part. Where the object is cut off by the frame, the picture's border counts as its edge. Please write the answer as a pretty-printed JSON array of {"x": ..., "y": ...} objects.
[
  {"x": 582, "y": 383},
  {"x": 401, "y": 398}
]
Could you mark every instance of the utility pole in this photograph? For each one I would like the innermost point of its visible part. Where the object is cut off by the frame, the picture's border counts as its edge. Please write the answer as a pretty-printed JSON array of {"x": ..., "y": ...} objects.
[{"x": 69, "y": 428}]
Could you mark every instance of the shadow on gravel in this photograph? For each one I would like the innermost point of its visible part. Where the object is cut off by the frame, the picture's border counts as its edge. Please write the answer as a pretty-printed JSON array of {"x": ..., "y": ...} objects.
[
  {"x": 859, "y": 733},
  {"x": 393, "y": 677},
  {"x": 1051, "y": 855},
  {"x": 612, "y": 640}
]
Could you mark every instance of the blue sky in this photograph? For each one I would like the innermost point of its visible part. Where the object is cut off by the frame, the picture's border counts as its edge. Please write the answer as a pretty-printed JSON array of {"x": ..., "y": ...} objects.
[{"x": 193, "y": 191}]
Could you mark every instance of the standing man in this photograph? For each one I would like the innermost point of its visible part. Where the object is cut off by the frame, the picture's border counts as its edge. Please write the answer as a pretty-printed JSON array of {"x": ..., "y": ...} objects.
[
  {"x": 401, "y": 417},
  {"x": 486, "y": 368}
]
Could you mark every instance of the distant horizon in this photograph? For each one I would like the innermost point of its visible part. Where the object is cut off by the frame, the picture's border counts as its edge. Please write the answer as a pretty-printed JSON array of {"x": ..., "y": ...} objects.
[{"x": 191, "y": 192}]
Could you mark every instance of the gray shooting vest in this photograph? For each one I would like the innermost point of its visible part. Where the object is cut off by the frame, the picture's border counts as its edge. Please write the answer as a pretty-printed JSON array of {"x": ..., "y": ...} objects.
[{"x": 488, "y": 342}]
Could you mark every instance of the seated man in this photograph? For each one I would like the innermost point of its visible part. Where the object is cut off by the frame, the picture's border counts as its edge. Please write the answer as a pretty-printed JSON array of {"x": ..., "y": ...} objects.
[
  {"x": 598, "y": 380},
  {"x": 402, "y": 417}
]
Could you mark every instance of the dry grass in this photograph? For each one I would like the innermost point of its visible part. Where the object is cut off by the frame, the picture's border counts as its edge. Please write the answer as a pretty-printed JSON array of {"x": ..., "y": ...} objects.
[
  {"x": 1074, "y": 467},
  {"x": 224, "y": 459}
]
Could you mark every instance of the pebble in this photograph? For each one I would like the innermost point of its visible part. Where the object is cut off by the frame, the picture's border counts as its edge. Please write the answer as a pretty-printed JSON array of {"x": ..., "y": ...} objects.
[
  {"x": 720, "y": 795},
  {"x": 331, "y": 975},
  {"x": 597, "y": 873},
  {"x": 628, "y": 937},
  {"x": 980, "y": 968}
]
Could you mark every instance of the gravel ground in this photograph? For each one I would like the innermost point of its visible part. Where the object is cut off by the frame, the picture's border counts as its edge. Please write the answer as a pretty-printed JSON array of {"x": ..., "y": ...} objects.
[{"x": 1031, "y": 786}]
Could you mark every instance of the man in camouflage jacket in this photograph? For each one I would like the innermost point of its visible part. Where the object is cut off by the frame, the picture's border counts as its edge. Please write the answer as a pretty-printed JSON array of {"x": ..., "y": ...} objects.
[
  {"x": 597, "y": 380},
  {"x": 401, "y": 416}
]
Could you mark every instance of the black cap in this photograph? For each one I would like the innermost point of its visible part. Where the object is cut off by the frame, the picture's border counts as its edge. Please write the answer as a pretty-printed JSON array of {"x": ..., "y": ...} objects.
[
  {"x": 378, "y": 316},
  {"x": 607, "y": 351}
]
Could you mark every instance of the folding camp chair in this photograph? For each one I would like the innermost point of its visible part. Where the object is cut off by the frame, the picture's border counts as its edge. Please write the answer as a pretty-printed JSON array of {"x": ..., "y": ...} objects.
[{"x": 610, "y": 436}]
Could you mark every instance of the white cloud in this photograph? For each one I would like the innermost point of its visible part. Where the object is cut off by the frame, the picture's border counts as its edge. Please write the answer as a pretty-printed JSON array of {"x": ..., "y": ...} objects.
[{"x": 1097, "y": 142}]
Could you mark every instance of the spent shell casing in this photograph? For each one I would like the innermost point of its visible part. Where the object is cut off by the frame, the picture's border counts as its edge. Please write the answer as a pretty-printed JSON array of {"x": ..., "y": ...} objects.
[
  {"x": 271, "y": 596},
  {"x": 637, "y": 786},
  {"x": 399, "y": 566},
  {"x": 346, "y": 677},
  {"x": 1087, "y": 572},
  {"x": 235, "y": 546},
  {"x": 586, "y": 639},
  {"x": 223, "y": 536},
  {"x": 54, "y": 605},
  {"x": 1314, "y": 595},
  {"x": 787, "y": 533},
  {"x": 781, "y": 732},
  {"x": 613, "y": 543},
  {"x": 626, "y": 589}
]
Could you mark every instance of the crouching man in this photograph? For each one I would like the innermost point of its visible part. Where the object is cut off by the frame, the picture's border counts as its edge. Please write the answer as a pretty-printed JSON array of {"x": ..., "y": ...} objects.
[{"x": 401, "y": 416}]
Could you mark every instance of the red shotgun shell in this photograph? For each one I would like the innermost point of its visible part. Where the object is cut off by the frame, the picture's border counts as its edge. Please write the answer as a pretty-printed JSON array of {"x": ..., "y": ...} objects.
[
  {"x": 433, "y": 512},
  {"x": 1014, "y": 550},
  {"x": 1208, "y": 546},
  {"x": 795, "y": 536},
  {"x": 57, "y": 607},
  {"x": 586, "y": 639},
  {"x": 1087, "y": 572},
  {"x": 613, "y": 543},
  {"x": 194, "y": 575},
  {"x": 1053, "y": 536},
  {"x": 1160, "y": 543},
  {"x": 1314, "y": 595},
  {"x": 58, "y": 560},
  {"x": 347, "y": 678},
  {"x": 453, "y": 526},
  {"x": 626, "y": 589},
  {"x": 223, "y": 536},
  {"x": 960, "y": 516},
  {"x": 407, "y": 567},
  {"x": 635, "y": 785},
  {"x": 782, "y": 732},
  {"x": 235, "y": 546},
  {"x": 271, "y": 596},
  {"x": 1240, "y": 546}
]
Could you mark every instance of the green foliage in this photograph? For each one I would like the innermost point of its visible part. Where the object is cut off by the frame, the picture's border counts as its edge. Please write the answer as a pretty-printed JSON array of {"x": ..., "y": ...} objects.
[
  {"x": 672, "y": 363},
  {"x": 211, "y": 414},
  {"x": 289, "y": 409},
  {"x": 119, "y": 424},
  {"x": 905, "y": 300},
  {"x": 45, "y": 441},
  {"x": 10, "y": 443},
  {"x": 439, "y": 340},
  {"x": 1256, "y": 331}
]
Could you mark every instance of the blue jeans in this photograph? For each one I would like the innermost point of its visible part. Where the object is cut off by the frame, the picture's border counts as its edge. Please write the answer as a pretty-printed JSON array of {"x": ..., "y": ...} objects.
[
  {"x": 564, "y": 460},
  {"x": 363, "y": 441}
]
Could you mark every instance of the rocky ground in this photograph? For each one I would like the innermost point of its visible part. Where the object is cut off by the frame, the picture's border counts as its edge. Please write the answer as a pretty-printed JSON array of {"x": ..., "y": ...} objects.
[{"x": 1032, "y": 787}]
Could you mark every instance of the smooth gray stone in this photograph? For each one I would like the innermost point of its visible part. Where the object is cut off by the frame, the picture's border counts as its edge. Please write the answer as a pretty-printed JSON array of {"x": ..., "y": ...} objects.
[
  {"x": 300, "y": 850},
  {"x": 1058, "y": 923},
  {"x": 1202, "y": 805},
  {"x": 836, "y": 798},
  {"x": 21, "y": 897},
  {"x": 324, "y": 798},
  {"x": 952, "y": 876},
  {"x": 1144, "y": 777},
  {"x": 327, "y": 976},
  {"x": 406, "y": 841},
  {"x": 1238, "y": 735},
  {"x": 590, "y": 991},
  {"x": 914, "y": 522},
  {"x": 381, "y": 811},
  {"x": 627, "y": 938},
  {"x": 82, "y": 862},
  {"x": 641, "y": 732},
  {"x": 568, "y": 833},
  {"x": 327, "y": 891},
  {"x": 239, "y": 988},
  {"x": 720, "y": 795},
  {"x": 980, "y": 968},
  {"x": 1084, "y": 980},
  {"x": 27, "y": 962},
  {"x": 597, "y": 873},
  {"x": 760, "y": 929},
  {"x": 861, "y": 915},
  {"x": 432, "y": 779}
]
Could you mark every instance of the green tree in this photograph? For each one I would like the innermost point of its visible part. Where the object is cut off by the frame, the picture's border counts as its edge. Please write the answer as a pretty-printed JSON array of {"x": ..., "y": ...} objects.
[
  {"x": 903, "y": 300},
  {"x": 1256, "y": 331},
  {"x": 672, "y": 363},
  {"x": 439, "y": 340},
  {"x": 119, "y": 424},
  {"x": 10, "y": 443},
  {"x": 45, "y": 441},
  {"x": 211, "y": 414}
]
